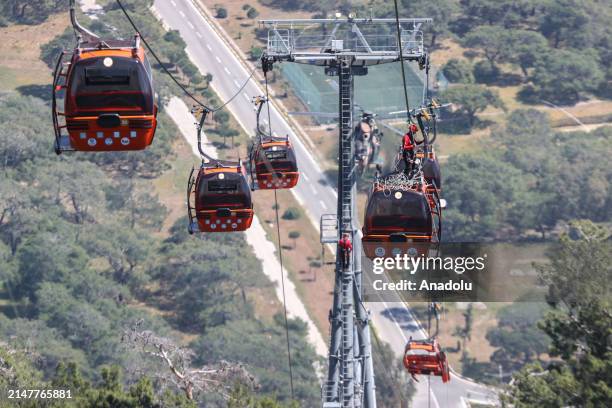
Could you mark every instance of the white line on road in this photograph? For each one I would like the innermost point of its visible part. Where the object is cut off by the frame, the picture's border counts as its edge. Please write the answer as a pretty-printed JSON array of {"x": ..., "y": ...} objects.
[
  {"x": 314, "y": 190},
  {"x": 227, "y": 70},
  {"x": 246, "y": 96},
  {"x": 237, "y": 83},
  {"x": 198, "y": 34},
  {"x": 173, "y": 3},
  {"x": 304, "y": 176},
  {"x": 218, "y": 59},
  {"x": 190, "y": 25},
  {"x": 209, "y": 47},
  {"x": 322, "y": 204},
  {"x": 182, "y": 14},
  {"x": 399, "y": 328}
]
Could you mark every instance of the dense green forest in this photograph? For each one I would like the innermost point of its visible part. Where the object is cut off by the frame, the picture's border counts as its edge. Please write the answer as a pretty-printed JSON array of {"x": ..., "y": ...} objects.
[
  {"x": 79, "y": 251},
  {"x": 527, "y": 181},
  {"x": 578, "y": 327}
]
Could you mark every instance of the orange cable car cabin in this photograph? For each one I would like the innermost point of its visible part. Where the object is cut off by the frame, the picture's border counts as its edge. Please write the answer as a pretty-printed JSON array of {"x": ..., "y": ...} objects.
[
  {"x": 426, "y": 357},
  {"x": 274, "y": 163},
  {"x": 108, "y": 97},
  {"x": 222, "y": 198},
  {"x": 400, "y": 214}
]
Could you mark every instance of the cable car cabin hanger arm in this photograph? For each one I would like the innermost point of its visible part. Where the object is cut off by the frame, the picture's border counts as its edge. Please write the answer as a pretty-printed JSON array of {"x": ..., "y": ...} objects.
[{"x": 80, "y": 31}]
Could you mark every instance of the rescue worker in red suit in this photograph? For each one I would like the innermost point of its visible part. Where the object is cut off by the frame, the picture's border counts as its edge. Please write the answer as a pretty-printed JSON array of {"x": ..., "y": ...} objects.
[
  {"x": 346, "y": 247},
  {"x": 408, "y": 146}
]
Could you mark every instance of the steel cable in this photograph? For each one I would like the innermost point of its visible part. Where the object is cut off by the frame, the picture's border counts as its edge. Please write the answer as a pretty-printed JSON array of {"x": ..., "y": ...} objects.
[
  {"x": 401, "y": 53},
  {"x": 280, "y": 251}
]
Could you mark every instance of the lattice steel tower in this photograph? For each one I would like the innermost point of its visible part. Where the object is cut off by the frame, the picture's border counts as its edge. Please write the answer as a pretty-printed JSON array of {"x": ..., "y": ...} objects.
[{"x": 345, "y": 47}]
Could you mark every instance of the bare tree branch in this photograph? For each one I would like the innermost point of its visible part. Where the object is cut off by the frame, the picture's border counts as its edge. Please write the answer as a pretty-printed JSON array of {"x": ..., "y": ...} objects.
[{"x": 217, "y": 378}]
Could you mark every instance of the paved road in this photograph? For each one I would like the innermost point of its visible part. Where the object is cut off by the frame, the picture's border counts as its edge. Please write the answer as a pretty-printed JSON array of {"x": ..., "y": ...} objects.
[{"x": 209, "y": 52}]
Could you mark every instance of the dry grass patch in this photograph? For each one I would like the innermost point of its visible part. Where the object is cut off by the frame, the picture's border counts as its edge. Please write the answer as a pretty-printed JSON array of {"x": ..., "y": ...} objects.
[{"x": 20, "y": 50}]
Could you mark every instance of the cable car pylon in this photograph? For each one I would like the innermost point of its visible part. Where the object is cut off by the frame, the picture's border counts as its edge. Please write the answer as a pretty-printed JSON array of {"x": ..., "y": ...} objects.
[{"x": 345, "y": 47}]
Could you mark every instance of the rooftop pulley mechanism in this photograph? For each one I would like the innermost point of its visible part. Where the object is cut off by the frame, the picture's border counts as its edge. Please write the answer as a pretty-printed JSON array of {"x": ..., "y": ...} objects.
[
  {"x": 107, "y": 92},
  {"x": 272, "y": 160},
  {"x": 219, "y": 192},
  {"x": 426, "y": 357}
]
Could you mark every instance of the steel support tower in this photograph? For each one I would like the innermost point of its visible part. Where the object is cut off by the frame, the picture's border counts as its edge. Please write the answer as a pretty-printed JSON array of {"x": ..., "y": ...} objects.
[{"x": 345, "y": 47}]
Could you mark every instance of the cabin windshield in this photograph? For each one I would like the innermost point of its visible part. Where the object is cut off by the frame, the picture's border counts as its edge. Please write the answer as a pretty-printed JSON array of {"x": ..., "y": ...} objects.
[
  {"x": 105, "y": 84},
  {"x": 408, "y": 213},
  {"x": 281, "y": 159}
]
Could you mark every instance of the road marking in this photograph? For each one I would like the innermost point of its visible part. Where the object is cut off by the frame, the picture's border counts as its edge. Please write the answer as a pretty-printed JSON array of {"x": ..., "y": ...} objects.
[
  {"x": 399, "y": 328},
  {"x": 305, "y": 177},
  {"x": 190, "y": 25},
  {"x": 323, "y": 204},
  {"x": 435, "y": 400},
  {"x": 237, "y": 83},
  {"x": 173, "y": 3},
  {"x": 314, "y": 190},
  {"x": 218, "y": 59},
  {"x": 209, "y": 47},
  {"x": 246, "y": 96},
  {"x": 227, "y": 70},
  {"x": 182, "y": 14},
  {"x": 198, "y": 34}
]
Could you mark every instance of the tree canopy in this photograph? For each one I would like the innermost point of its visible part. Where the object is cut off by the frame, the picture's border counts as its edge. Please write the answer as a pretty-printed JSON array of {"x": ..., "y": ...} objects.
[{"x": 579, "y": 326}]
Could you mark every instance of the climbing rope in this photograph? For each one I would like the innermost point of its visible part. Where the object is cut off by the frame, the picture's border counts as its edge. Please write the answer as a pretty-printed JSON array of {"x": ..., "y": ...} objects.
[{"x": 399, "y": 181}]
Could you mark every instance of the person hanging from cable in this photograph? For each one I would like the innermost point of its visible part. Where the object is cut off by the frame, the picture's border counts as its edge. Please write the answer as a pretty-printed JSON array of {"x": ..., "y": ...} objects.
[
  {"x": 346, "y": 247},
  {"x": 408, "y": 146}
]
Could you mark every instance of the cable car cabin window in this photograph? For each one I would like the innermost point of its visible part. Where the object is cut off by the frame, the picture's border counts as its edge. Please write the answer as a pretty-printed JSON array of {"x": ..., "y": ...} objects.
[
  {"x": 222, "y": 186},
  {"x": 408, "y": 213},
  {"x": 105, "y": 84},
  {"x": 276, "y": 154},
  {"x": 231, "y": 192},
  {"x": 275, "y": 160}
]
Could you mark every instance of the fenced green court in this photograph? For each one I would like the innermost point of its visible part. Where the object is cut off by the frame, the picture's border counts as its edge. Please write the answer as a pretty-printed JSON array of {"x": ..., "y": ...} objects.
[{"x": 380, "y": 91}]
